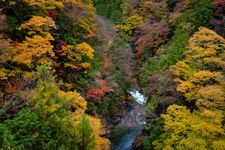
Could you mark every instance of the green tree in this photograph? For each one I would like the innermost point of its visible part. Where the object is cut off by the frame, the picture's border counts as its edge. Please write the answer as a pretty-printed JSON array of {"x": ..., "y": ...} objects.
[
  {"x": 45, "y": 124},
  {"x": 85, "y": 133},
  {"x": 53, "y": 119}
]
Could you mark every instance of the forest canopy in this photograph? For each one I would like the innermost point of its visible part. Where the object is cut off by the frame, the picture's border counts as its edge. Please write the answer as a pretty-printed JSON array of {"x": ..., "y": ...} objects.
[{"x": 67, "y": 68}]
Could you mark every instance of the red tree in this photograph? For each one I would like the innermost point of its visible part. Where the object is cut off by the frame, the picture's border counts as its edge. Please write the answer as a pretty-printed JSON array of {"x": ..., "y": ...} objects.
[
  {"x": 97, "y": 93},
  {"x": 151, "y": 35}
]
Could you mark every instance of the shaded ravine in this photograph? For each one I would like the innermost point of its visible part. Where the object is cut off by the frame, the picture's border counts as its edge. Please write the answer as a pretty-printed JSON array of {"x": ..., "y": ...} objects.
[
  {"x": 121, "y": 58},
  {"x": 128, "y": 139},
  {"x": 134, "y": 121}
]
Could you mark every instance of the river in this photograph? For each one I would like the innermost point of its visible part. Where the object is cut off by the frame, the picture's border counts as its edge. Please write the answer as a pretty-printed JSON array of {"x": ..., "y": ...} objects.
[{"x": 134, "y": 121}]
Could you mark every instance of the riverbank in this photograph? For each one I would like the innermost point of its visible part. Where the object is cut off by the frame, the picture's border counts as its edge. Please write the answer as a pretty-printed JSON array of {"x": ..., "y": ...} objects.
[{"x": 131, "y": 124}]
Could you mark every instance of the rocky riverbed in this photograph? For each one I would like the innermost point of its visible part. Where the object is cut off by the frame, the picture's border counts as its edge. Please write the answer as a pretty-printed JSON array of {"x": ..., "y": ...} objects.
[{"x": 132, "y": 122}]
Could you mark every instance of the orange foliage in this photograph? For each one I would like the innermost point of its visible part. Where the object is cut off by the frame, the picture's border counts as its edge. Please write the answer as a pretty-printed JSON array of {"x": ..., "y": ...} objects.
[
  {"x": 77, "y": 55},
  {"x": 14, "y": 86},
  {"x": 46, "y": 4},
  {"x": 98, "y": 130},
  {"x": 36, "y": 47},
  {"x": 75, "y": 101},
  {"x": 35, "y": 50},
  {"x": 97, "y": 93}
]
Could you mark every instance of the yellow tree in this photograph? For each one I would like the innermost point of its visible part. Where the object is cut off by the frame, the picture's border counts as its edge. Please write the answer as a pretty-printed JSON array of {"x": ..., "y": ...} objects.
[
  {"x": 206, "y": 50},
  {"x": 83, "y": 14},
  {"x": 6, "y": 50},
  {"x": 87, "y": 22},
  {"x": 191, "y": 130},
  {"x": 75, "y": 102},
  {"x": 200, "y": 75},
  {"x": 78, "y": 105},
  {"x": 130, "y": 23},
  {"x": 45, "y": 4},
  {"x": 200, "y": 78},
  {"x": 77, "y": 56},
  {"x": 46, "y": 102},
  {"x": 36, "y": 48},
  {"x": 8, "y": 70},
  {"x": 101, "y": 143}
]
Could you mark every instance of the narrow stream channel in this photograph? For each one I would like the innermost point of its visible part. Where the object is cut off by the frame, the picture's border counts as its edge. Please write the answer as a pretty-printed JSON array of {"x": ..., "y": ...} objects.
[{"x": 133, "y": 121}]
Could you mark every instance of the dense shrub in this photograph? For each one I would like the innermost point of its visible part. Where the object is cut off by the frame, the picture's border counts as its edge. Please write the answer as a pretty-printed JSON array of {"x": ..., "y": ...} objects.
[
  {"x": 188, "y": 22},
  {"x": 111, "y": 9}
]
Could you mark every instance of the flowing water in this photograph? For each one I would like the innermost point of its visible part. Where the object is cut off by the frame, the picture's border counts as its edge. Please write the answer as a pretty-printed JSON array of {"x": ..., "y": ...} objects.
[
  {"x": 133, "y": 120},
  {"x": 139, "y": 98}
]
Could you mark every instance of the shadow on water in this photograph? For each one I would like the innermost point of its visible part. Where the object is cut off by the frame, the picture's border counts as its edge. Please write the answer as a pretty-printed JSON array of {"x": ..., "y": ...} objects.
[
  {"x": 127, "y": 140},
  {"x": 133, "y": 120}
]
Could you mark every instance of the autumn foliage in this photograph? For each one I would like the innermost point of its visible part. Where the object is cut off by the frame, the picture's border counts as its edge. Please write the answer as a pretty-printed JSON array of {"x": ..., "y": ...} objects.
[
  {"x": 218, "y": 3},
  {"x": 97, "y": 93},
  {"x": 199, "y": 78},
  {"x": 206, "y": 51},
  {"x": 32, "y": 97},
  {"x": 130, "y": 23},
  {"x": 60, "y": 112},
  {"x": 66, "y": 71},
  {"x": 151, "y": 36}
]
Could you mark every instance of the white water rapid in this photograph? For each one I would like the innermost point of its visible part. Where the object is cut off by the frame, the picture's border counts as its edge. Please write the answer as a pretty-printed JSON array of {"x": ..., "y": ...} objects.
[{"x": 132, "y": 120}]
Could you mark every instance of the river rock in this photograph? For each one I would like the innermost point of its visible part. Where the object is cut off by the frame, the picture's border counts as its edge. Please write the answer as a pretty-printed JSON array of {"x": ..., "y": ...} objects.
[{"x": 137, "y": 145}]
